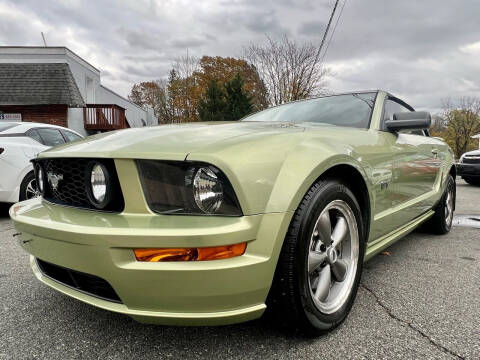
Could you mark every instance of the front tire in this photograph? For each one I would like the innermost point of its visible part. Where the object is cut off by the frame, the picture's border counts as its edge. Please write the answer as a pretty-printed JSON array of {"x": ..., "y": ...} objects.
[
  {"x": 441, "y": 222},
  {"x": 320, "y": 264}
]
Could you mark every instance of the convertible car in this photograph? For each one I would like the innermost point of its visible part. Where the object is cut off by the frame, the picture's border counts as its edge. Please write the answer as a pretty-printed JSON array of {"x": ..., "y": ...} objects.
[{"x": 213, "y": 223}]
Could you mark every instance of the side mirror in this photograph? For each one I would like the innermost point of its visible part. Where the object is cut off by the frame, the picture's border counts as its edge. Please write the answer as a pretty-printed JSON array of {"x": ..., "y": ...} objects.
[{"x": 414, "y": 120}]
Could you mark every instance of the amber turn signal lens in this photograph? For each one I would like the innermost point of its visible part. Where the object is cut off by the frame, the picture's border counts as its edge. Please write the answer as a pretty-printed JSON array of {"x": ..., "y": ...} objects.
[{"x": 190, "y": 254}]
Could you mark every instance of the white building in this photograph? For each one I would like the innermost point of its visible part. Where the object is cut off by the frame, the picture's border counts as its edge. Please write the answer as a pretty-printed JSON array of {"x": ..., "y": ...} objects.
[
  {"x": 36, "y": 85},
  {"x": 477, "y": 137}
]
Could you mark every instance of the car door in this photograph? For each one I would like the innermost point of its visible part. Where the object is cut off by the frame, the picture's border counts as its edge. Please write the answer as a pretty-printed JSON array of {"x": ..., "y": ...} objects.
[{"x": 415, "y": 170}]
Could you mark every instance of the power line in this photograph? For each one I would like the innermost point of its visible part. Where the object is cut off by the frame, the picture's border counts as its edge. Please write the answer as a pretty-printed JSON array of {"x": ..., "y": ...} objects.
[
  {"x": 333, "y": 31},
  {"x": 317, "y": 56}
]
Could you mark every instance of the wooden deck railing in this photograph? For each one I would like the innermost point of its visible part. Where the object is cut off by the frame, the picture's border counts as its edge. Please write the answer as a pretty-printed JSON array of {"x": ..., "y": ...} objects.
[{"x": 104, "y": 117}]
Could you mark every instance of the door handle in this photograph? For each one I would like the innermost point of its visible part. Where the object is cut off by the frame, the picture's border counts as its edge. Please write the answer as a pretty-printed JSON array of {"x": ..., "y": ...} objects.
[{"x": 435, "y": 151}]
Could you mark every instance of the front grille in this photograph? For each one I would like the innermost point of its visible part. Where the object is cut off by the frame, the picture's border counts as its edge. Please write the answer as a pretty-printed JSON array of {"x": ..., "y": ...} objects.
[
  {"x": 71, "y": 188},
  {"x": 471, "y": 160},
  {"x": 86, "y": 283},
  {"x": 66, "y": 182}
]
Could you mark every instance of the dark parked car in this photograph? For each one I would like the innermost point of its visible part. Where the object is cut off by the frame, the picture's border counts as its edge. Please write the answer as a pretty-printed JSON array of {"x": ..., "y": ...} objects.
[{"x": 468, "y": 167}]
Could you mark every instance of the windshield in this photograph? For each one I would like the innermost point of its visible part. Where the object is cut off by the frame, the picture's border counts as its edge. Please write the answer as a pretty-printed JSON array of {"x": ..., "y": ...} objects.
[
  {"x": 6, "y": 126},
  {"x": 352, "y": 110}
]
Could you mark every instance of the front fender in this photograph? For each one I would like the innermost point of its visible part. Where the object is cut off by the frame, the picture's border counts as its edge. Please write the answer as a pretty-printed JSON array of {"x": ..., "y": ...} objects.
[
  {"x": 275, "y": 176},
  {"x": 253, "y": 168},
  {"x": 301, "y": 170}
]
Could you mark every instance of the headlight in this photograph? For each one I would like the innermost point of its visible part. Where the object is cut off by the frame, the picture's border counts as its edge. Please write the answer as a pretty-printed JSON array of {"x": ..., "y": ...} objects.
[
  {"x": 40, "y": 179},
  {"x": 207, "y": 190},
  {"x": 182, "y": 187},
  {"x": 461, "y": 159},
  {"x": 99, "y": 187}
]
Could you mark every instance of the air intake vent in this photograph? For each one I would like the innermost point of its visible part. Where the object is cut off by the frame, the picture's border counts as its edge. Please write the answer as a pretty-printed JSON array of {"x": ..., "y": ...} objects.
[{"x": 86, "y": 283}]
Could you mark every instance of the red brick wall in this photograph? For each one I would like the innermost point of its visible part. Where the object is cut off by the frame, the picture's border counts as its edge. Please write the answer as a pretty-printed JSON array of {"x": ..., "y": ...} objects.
[{"x": 48, "y": 114}]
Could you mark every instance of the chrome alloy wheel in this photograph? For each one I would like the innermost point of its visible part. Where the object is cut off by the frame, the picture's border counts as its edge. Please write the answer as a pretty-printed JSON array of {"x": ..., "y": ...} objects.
[
  {"x": 449, "y": 206},
  {"x": 333, "y": 256},
  {"x": 31, "y": 190}
]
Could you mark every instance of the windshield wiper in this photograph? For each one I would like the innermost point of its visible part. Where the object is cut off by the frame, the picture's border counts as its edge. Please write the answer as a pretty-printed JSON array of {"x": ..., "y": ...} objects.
[{"x": 317, "y": 123}]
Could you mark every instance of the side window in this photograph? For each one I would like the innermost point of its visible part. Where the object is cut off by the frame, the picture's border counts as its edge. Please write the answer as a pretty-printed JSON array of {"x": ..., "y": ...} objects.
[
  {"x": 391, "y": 107},
  {"x": 70, "y": 136},
  {"x": 51, "y": 137},
  {"x": 33, "y": 134}
]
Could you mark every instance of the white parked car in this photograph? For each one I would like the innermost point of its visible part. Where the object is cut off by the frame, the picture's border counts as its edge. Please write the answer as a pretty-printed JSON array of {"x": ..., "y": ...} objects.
[{"x": 19, "y": 143}]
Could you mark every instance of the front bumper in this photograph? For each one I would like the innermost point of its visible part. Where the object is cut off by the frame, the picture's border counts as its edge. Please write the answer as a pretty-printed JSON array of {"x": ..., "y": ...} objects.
[
  {"x": 174, "y": 293},
  {"x": 469, "y": 170}
]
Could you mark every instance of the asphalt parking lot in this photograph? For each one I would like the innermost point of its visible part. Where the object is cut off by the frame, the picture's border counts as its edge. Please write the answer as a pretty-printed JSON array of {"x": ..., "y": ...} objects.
[{"x": 422, "y": 300}]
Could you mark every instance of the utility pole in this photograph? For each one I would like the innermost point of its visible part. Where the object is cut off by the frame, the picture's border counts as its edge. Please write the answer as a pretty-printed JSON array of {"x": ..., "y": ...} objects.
[{"x": 43, "y": 37}]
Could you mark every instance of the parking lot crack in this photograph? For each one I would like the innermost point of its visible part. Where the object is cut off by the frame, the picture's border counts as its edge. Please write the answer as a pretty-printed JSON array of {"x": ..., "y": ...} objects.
[{"x": 409, "y": 324}]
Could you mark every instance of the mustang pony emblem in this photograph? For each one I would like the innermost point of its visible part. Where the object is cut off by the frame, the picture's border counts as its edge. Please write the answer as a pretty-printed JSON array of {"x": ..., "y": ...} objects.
[{"x": 54, "y": 179}]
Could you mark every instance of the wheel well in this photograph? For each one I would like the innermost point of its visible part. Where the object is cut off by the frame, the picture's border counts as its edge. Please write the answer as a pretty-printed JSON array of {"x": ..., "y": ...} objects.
[
  {"x": 25, "y": 176},
  {"x": 453, "y": 172},
  {"x": 353, "y": 179}
]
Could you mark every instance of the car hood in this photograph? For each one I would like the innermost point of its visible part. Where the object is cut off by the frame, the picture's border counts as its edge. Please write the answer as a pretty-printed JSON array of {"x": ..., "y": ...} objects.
[
  {"x": 472, "y": 153},
  {"x": 169, "y": 142}
]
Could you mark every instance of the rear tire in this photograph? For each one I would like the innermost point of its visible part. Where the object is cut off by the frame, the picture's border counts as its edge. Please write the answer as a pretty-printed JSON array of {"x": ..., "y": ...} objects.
[
  {"x": 472, "y": 181},
  {"x": 28, "y": 187},
  {"x": 317, "y": 275},
  {"x": 441, "y": 222}
]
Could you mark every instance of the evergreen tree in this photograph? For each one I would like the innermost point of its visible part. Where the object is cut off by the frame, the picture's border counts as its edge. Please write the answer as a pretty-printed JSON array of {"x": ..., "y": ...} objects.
[
  {"x": 238, "y": 103},
  {"x": 213, "y": 106}
]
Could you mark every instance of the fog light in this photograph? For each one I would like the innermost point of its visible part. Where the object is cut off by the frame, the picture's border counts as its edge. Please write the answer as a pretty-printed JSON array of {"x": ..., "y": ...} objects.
[
  {"x": 98, "y": 182},
  {"x": 190, "y": 254},
  {"x": 99, "y": 188}
]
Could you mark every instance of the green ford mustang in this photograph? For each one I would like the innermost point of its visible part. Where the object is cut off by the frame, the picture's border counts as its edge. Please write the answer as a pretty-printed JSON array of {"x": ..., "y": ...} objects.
[{"x": 210, "y": 223}]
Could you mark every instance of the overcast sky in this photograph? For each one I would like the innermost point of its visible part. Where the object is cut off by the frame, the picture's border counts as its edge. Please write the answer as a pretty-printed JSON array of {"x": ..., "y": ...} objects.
[{"x": 422, "y": 51}]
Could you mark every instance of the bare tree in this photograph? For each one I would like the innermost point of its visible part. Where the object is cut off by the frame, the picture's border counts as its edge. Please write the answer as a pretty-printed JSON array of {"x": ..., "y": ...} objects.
[
  {"x": 290, "y": 71},
  {"x": 186, "y": 65},
  {"x": 182, "y": 88},
  {"x": 462, "y": 120},
  {"x": 154, "y": 94},
  {"x": 164, "y": 107}
]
